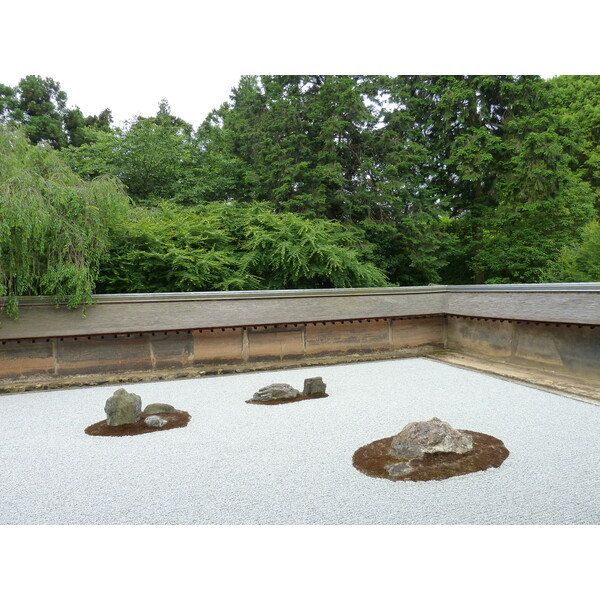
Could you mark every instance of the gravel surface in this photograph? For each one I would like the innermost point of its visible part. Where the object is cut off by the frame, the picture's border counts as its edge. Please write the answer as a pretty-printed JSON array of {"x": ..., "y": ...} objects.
[{"x": 237, "y": 463}]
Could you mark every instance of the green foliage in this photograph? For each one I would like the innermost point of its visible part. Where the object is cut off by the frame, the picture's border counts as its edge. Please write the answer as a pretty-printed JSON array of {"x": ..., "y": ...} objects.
[
  {"x": 452, "y": 179},
  {"x": 578, "y": 262},
  {"x": 327, "y": 147},
  {"x": 302, "y": 144},
  {"x": 54, "y": 227},
  {"x": 170, "y": 248},
  {"x": 409, "y": 255},
  {"x": 501, "y": 164},
  {"x": 226, "y": 247},
  {"x": 575, "y": 103},
  {"x": 524, "y": 239},
  {"x": 542, "y": 205},
  {"x": 216, "y": 173},
  {"x": 40, "y": 107},
  {"x": 151, "y": 156},
  {"x": 290, "y": 251}
]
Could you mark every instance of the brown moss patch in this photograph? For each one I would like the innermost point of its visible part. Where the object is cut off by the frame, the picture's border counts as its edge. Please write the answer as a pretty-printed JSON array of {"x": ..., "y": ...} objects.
[
  {"x": 287, "y": 400},
  {"x": 487, "y": 452},
  {"x": 173, "y": 420}
]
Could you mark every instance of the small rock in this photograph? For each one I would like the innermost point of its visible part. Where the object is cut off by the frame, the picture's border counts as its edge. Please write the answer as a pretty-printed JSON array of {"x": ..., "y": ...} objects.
[
  {"x": 398, "y": 469},
  {"x": 275, "y": 391},
  {"x": 313, "y": 386},
  {"x": 159, "y": 407},
  {"x": 123, "y": 408},
  {"x": 427, "y": 437},
  {"x": 154, "y": 421}
]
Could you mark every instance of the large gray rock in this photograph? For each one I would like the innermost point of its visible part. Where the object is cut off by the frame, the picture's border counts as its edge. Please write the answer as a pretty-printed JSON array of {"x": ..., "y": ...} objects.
[
  {"x": 427, "y": 437},
  {"x": 159, "y": 407},
  {"x": 154, "y": 421},
  {"x": 123, "y": 408},
  {"x": 313, "y": 386},
  {"x": 276, "y": 391}
]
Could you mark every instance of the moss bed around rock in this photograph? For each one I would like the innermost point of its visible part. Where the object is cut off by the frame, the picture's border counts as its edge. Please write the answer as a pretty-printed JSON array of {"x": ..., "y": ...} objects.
[
  {"x": 287, "y": 400},
  {"x": 174, "y": 420},
  {"x": 487, "y": 452}
]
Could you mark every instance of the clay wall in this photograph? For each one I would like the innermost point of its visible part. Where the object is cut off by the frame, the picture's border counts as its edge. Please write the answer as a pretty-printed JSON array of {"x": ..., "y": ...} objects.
[
  {"x": 561, "y": 348},
  {"x": 113, "y": 353},
  {"x": 551, "y": 326}
]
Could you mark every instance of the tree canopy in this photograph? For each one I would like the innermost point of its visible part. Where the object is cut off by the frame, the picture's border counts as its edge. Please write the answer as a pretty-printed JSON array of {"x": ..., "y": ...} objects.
[
  {"x": 170, "y": 247},
  {"x": 579, "y": 261},
  {"x": 304, "y": 181},
  {"x": 54, "y": 226},
  {"x": 40, "y": 106}
]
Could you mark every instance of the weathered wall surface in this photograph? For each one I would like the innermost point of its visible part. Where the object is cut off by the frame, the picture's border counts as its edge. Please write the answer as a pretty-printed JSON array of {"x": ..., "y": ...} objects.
[
  {"x": 554, "y": 303},
  {"x": 136, "y": 313},
  {"x": 572, "y": 350},
  {"x": 113, "y": 353},
  {"x": 554, "y": 326}
]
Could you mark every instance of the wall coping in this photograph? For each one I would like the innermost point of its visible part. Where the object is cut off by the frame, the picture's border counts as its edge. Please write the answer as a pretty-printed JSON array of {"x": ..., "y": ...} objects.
[
  {"x": 41, "y": 317},
  {"x": 317, "y": 293}
]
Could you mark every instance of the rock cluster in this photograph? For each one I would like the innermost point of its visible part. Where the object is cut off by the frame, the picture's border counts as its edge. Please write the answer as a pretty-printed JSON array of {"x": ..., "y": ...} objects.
[
  {"x": 425, "y": 437},
  {"x": 125, "y": 408},
  {"x": 313, "y": 386}
]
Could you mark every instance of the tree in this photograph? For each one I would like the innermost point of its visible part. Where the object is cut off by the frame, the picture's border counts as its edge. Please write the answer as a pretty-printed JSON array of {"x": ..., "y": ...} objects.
[
  {"x": 542, "y": 204},
  {"x": 326, "y": 147},
  {"x": 298, "y": 138},
  {"x": 170, "y": 247},
  {"x": 54, "y": 227},
  {"x": 500, "y": 165},
  {"x": 40, "y": 106},
  {"x": 7, "y": 102},
  {"x": 575, "y": 101},
  {"x": 286, "y": 250},
  {"x": 580, "y": 261},
  {"x": 455, "y": 179},
  {"x": 151, "y": 156},
  {"x": 216, "y": 174}
]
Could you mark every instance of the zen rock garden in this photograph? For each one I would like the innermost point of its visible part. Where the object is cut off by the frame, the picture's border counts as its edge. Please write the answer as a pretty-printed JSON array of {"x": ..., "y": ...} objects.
[
  {"x": 429, "y": 450},
  {"x": 421, "y": 451},
  {"x": 124, "y": 416},
  {"x": 283, "y": 393}
]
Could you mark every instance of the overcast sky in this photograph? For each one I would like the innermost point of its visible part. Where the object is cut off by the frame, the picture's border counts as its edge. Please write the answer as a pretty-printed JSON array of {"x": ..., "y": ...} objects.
[{"x": 127, "y": 56}]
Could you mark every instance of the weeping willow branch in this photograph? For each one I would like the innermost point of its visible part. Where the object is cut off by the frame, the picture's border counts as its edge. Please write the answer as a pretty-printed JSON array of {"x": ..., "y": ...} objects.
[{"x": 54, "y": 227}]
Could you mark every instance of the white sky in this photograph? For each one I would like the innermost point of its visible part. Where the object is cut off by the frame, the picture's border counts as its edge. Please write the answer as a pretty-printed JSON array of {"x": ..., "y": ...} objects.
[{"x": 127, "y": 55}]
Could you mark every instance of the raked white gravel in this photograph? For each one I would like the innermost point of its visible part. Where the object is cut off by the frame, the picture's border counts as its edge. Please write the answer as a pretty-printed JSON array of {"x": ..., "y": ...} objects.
[{"x": 237, "y": 463}]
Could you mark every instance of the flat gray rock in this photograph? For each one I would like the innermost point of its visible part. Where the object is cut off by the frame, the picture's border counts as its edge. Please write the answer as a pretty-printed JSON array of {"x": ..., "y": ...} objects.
[
  {"x": 427, "y": 437},
  {"x": 313, "y": 386},
  {"x": 276, "y": 391},
  {"x": 398, "y": 469},
  {"x": 123, "y": 408},
  {"x": 154, "y": 421},
  {"x": 159, "y": 407}
]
